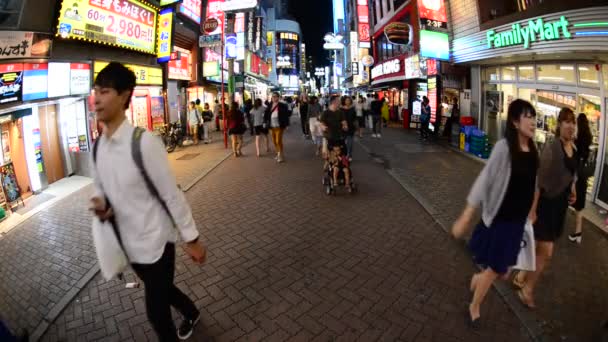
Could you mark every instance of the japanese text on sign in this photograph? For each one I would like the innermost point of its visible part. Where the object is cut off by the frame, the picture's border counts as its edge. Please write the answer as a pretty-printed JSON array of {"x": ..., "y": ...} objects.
[{"x": 126, "y": 23}]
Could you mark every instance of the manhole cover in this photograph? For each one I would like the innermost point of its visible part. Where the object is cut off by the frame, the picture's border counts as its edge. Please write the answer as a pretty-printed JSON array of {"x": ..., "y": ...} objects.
[{"x": 188, "y": 156}]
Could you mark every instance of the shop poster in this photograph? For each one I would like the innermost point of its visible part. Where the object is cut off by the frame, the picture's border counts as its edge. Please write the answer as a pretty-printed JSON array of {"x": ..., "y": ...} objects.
[
  {"x": 9, "y": 182},
  {"x": 157, "y": 112},
  {"x": 11, "y": 82}
]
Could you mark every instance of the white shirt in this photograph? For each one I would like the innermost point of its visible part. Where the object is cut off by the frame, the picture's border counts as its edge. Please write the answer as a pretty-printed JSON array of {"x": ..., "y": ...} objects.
[
  {"x": 359, "y": 107},
  {"x": 368, "y": 105},
  {"x": 144, "y": 225},
  {"x": 274, "y": 117}
]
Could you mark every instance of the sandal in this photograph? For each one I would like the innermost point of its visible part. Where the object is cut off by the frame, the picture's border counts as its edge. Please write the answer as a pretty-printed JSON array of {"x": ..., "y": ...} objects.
[
  {"x": 528, "y": 303},
  {"x": 518, "y": 284}
]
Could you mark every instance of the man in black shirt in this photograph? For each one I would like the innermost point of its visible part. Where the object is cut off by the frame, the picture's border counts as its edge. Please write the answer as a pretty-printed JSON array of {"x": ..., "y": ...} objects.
[{"x": 334, "y": 122}]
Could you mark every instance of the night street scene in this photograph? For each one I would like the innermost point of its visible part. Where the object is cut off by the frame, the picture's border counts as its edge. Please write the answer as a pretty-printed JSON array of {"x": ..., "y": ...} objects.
[{"x": 304, "y": 170}]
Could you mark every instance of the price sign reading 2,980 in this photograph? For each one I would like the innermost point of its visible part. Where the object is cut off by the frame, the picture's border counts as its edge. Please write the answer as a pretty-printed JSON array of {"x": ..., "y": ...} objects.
[{"x": 125, "y": 23}]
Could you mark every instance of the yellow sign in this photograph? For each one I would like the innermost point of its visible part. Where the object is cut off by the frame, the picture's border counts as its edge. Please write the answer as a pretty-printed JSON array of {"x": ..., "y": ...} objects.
[
  {"x": 130, "y": 24},
  {"x": 145, "y": 75},
  {"x": 165, "y": 31}
]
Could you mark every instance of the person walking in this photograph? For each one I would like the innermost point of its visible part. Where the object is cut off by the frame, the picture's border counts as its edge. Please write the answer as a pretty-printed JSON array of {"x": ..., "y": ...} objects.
[
  {"x": 376, "y": 112},
  {"x": 334, "y": 124},
  {"x": 505, "y": 191},
  {"x": 236, "y": 128},
  {"x": 247, "y": 108},
  {"x": 304, "y": 117},
  {"x": 207, "y": 116},
  {"x": 584, "y": 138},
  {"x": 143, "y": 199},
  {"x": 385, "y": 116},
  {"x": 350, "y": 115},
  {"x": 556, "y": 189},
  {"x": 446, "y": 111},
  {"x": 425, "y": 118},
  {"x": 194, "y": 120},
  {"x": 277, "y": 114},
  {"x": 360, "y": 110},
  {"x": 217, "y": 112},
  {"x": 260, "y": 126},
  {"x": 316, "y": 133}
]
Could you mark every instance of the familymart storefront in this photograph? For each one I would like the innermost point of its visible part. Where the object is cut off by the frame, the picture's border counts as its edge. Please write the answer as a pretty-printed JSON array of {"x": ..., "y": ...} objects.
[{"x": 554, "y": 61}]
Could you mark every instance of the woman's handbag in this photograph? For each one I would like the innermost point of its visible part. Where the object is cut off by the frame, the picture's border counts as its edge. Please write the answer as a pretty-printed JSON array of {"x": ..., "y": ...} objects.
[{"x": 526, "y": 259}]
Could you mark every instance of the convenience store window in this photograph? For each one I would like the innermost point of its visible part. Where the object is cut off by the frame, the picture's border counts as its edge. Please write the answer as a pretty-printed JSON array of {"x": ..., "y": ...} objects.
[
  {"x": 588, "y": 76},
  {"x": 491, "y": 74},
  {"x": 508, "y": 73},
  {"x": 526, "y": 73},
  {"x": 556, "y": 73}
]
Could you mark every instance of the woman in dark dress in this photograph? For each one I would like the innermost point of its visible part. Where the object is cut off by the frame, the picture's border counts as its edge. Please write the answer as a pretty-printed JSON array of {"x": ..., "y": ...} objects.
[
  {"x": 583, "y": 143},
  {"x": 236, "y": 128},
  {"x": 556, "y": 178},
  {"x": 505, "y": 191}
]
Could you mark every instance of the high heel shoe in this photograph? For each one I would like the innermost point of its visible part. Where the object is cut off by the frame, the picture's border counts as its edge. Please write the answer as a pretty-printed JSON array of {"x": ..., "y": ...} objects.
[{"x": 576, "y": 237}]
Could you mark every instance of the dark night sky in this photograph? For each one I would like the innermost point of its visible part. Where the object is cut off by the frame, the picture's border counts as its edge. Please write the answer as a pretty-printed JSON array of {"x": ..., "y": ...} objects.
[{"x": 315, "y": 18}]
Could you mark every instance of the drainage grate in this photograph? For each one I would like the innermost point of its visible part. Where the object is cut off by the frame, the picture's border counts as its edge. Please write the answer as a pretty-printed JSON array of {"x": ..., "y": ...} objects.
[{"x": 188, "y": 156}]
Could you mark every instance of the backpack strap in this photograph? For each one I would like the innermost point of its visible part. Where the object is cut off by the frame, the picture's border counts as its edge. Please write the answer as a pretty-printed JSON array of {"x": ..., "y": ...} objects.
[{"x": 139, "y": 162}]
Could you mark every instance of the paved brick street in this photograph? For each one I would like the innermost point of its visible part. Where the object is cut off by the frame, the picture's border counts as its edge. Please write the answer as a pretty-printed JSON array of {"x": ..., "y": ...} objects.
[
  {"x": 47, "y": 259},
  {"x": 288, "y": 263},
  {"x": 571, "y": 297}
]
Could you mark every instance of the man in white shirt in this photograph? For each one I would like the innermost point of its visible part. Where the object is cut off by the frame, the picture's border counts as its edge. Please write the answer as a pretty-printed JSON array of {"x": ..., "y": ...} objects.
[{"x": 148, "y": 224}]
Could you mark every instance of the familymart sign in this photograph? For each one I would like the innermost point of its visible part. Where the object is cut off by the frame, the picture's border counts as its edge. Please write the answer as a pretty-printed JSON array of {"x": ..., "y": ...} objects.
[{"x": 535, "y": 30}]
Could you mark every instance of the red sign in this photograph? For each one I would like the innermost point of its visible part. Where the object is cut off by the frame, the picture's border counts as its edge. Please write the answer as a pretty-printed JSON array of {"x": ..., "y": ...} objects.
[
  {"x": 179, "y": 69},
  {"x": 364, "y": 35},
  {"x": 432, "y": 95},
  {"x": 11, "y": 67},
  {"x": 214, "y": 10},
  {"x": 255, "y": 63},
  {"x": 265, "y": 69},
  {"x": 432, "y": 10},
  {"x": 35, "y": 66},
  {"x": 431, "y": 67},
  {"x": 191, "y": 9},
  {"x": 210, "y": 25},
  {"x": 363, "y": 14},
  {"x": 79, "y": 66}
]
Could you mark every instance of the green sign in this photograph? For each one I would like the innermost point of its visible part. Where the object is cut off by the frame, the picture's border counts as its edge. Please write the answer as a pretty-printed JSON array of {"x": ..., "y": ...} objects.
[{"x": 536, "y": 30}]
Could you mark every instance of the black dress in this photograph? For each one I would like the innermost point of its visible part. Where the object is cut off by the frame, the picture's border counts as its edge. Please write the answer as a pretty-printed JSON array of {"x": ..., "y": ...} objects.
[
  {"x": 552, "y": 210},
  {"x": 497, "y": 246}
]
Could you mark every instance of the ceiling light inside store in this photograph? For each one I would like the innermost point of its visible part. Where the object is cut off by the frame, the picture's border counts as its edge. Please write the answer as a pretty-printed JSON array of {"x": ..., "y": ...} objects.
[
  {"x": 553, "y": 78},
  {"x": 525, "y": 68},
  {"x": 566, "y": 67},
  {"x": 583, "y": 68},
  {"x": 588, "y": 80}
]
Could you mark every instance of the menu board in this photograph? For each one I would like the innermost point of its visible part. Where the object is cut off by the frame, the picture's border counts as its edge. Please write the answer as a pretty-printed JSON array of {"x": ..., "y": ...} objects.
[
  {"x": 19, "y": 44},
  {"x": 140, "y": 111},
  {"x": 9, "y": 182},
  {"x": 35, "y": 81},
  {"x": 130, "y": 24},
  {"x": 59, "y": 79},
  {"x": 80, "y": 78},
  {"x": 11, "y": 82}
]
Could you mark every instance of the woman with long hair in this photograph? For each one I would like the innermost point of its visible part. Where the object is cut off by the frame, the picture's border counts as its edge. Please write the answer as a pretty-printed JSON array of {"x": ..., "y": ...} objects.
[
  {"x": 584, "y": 138},
  {"x": 236, "y": 128},
  {"x": 556, "y": 178},
  {"x": 259, "y": 125},
  {"x": 351, "y": 117},
  {"x": 505, "y": 191}
]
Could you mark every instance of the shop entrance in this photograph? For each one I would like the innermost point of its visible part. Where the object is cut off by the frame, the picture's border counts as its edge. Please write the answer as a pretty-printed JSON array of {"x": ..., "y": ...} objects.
[{"x": 49, "y": 136}]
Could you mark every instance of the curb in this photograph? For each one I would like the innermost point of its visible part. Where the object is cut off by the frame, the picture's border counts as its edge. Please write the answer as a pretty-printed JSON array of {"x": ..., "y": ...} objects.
[
  {"x": 58, "y": 308},
  {"x": 527, "y": 319}
]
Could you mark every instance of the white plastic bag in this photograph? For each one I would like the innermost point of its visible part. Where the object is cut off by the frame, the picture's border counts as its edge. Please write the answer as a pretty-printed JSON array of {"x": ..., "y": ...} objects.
[
  {"x": 526, "y": 259},
  {"x": 111, "y": 257}
]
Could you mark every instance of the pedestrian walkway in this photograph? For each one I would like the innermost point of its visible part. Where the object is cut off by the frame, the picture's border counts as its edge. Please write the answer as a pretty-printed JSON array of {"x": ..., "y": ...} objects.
[
  {"x": 571, "y": 298},
  {"x": 47, "y": 257},
  {"x": 286, "y": 262}
]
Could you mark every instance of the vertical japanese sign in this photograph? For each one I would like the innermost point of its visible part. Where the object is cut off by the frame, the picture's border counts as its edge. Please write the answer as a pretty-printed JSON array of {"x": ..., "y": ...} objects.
[
  {"x": 165, "y": 33},
  {"x": 363, "y": 23},
  {"x": 432, "y": 95}
]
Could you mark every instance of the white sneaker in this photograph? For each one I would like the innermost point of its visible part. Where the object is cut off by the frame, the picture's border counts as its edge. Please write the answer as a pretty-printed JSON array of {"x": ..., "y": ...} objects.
[
  {"x": 379, "y": 136},
  {"x": 578, "y": 238},
  {"x": 374, "y": 136}
]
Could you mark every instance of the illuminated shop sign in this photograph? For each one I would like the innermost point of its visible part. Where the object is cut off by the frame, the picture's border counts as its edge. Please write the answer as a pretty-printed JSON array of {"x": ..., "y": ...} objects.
[
  {"x": 388, "y": 68},
  {"x": 214, "y": 10},
  {"x": 144, "y": 75},
  {"x": 536, "y": 29},
  {"x": 238, "y": 5},
  {"x": 432, "y": 15},
  {"x": 129, "y": 24},
  {"x": 434, "y": 45},
  {"x": 363, "y": 24},
  {"x": 165, "y": 32},
  {"x": 191, "y": 9}
]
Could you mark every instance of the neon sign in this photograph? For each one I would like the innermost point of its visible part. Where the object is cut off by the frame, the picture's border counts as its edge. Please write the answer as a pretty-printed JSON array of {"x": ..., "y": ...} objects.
[{"x": 557, "y": 29}]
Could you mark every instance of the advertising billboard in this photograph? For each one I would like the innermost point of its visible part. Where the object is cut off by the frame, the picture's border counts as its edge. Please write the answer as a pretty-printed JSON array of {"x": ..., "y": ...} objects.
[
  {"x": 165, "y": 33},
  {"x": 11, "y": 82},
  {"x": 214, "y": 10},
  {"x": 129, "y": 24},
  {"x": 191, "y": 9}
]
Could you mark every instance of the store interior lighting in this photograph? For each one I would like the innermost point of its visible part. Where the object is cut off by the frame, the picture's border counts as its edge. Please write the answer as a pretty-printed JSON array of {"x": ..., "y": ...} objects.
[
  {"x": 525, "y": 68},
  {"x": 551, "y": 78},
  {"x": 585, "y": 80},
  {"x": 566, "y": 67}
]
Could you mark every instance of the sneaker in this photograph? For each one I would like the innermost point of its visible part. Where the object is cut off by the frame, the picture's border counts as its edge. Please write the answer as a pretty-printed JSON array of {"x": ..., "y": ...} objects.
[
  {"x": 578, "y": 238},
  {"x": 379, "y": 136},
  {"x": 187, "y": 328},
  {"x": 374, "y": 136}
]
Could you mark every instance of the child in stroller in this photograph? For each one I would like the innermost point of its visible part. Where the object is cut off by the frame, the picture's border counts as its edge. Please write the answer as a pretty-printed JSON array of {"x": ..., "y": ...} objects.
[{"x": 337, "y": 168}]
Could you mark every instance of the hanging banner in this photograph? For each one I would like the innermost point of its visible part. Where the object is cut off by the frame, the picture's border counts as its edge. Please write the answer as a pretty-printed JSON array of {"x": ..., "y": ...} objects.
[
  {"x": 128, "y": 24},
  {"x": 214, "y": 10}
]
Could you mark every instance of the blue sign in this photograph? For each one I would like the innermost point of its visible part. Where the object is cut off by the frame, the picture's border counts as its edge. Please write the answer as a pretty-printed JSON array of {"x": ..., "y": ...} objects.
[
  {"x": 231, "y": 43},
  {"x": 434, "y": 45}
]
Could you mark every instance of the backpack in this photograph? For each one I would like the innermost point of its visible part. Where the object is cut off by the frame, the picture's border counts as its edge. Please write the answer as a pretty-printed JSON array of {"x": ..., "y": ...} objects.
[{"x": 139, "y": 162}]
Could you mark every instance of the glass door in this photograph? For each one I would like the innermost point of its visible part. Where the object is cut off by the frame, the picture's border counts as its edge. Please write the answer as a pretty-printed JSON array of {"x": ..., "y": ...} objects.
[{"x": 602, "y": 193}]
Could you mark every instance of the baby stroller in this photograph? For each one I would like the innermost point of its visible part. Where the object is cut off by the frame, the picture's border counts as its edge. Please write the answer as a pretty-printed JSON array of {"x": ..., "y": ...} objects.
[{"x": 336, "y": 161}]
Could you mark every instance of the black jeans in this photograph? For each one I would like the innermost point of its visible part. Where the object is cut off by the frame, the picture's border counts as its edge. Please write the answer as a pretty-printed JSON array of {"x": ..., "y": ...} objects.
[
  {"x": 305, "y": 124},
  {"x": 424, "y": 130},
  {"x": 376, "y": 120},
  {"x": 162, "y": 294}
]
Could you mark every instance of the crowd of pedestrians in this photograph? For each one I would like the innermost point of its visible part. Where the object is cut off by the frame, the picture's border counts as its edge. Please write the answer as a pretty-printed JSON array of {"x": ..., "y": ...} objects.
[{"x": 519, "y": 192}]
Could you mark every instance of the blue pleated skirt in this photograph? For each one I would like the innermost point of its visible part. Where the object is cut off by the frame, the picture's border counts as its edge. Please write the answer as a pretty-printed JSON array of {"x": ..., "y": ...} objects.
[{"x": 497, "y": 246}]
